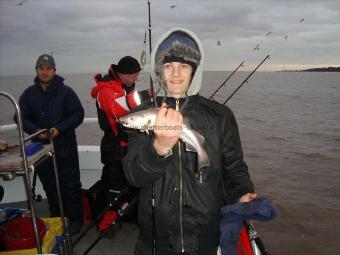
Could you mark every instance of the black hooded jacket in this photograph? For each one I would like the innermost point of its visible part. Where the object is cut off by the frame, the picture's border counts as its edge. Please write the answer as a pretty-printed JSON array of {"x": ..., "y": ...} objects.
[{"x": 185, "y": 207}]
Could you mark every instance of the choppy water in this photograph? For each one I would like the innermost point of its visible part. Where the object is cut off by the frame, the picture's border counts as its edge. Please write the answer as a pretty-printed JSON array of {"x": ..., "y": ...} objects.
[{"x": 290, "y": 129}]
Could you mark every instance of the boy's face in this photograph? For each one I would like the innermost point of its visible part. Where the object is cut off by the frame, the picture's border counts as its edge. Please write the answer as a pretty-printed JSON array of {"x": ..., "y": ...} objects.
[{"x": 177, "y": 76}]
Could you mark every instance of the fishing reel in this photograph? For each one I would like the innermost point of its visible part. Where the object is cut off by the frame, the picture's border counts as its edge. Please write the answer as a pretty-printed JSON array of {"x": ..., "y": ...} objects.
[
  {"x": 37, "y": 198},
  {"x": 137, "y": 98}
]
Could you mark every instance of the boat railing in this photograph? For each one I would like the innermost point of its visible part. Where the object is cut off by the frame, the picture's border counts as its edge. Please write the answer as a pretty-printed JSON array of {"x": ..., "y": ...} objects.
[
  {"x": 11, "y": 127},
  {"x": 89, "y": 163}
]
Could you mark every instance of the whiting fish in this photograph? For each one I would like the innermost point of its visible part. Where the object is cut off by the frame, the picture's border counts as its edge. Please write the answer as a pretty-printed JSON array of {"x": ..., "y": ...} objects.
[{"x": 144, "y": 120}]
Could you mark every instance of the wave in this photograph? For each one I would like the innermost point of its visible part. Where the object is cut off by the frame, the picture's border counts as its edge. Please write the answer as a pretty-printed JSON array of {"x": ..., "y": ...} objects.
[
  {"x": 246, "y": 118},
  {"x": 312, "y": 155},
  {"x": 274, "y": 138},
  {"x": 337, "y": 139}
]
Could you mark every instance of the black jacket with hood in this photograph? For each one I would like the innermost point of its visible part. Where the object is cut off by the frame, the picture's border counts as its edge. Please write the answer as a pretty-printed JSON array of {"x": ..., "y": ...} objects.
[{"x": 187, "y": 212}]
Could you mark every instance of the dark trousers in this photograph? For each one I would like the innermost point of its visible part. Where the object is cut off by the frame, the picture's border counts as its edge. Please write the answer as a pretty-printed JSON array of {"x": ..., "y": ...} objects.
[
  {"x": 113, "y": 176},
  {"x": 70, "y": 187},
  {"x": 114, "y": 182},
  {"x": 143, "y": 249}
]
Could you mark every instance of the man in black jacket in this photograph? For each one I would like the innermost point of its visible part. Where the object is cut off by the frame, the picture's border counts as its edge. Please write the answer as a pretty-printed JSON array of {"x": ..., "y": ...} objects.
[
  {"x": 50, "y": 104},
  {"x": 187, "y": 203}
]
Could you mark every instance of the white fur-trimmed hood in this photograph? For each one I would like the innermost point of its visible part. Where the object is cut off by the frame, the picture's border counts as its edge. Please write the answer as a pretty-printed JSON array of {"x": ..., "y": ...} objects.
[{"x": 196, "y": 82}]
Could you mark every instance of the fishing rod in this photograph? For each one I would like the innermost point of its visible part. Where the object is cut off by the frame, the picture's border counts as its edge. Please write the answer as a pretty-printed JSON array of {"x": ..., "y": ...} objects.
[
  {"x": 150, "y": 49},
  {"x": 255, "y": 240},
  {"x": 257, "y": 47},
  {"x": 115, "y": 203},
  {"x": 223, "y": 83},
  {"x": 123, "y": 210},
  {"x": 285, "y": 37},
  {"x": 246, "y": 79},
  {"x": 153, "y": 192},
  {"x": 143, "y": 58}
]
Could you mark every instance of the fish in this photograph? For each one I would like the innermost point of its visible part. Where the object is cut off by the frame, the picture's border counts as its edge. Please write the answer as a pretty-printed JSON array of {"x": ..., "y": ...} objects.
[{"x": 144, "y": 120}]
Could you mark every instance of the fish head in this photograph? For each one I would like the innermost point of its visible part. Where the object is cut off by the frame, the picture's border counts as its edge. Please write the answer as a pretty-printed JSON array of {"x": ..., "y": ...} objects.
[{"x": 144, "y": 119}]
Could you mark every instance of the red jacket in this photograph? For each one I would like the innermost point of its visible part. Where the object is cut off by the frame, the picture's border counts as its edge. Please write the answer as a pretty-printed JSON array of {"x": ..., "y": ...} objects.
[
  {"x": 115, "y": 99},
  {"x": 112, "y": 99}
]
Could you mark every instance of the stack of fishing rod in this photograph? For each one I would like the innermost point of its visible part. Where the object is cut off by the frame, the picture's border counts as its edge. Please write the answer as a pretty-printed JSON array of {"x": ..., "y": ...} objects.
[
  {"x": 117, "y": 210},
  {"x": 258, "y": 47},
  {"x": 242, "y": 65}
]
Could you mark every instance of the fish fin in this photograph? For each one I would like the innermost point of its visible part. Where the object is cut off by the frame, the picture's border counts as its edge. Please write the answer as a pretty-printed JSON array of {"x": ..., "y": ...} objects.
[
  {"x": 145, "y": 129},
  {"x": 200, "y": 137},
  {"x": 188, "y": 147}
]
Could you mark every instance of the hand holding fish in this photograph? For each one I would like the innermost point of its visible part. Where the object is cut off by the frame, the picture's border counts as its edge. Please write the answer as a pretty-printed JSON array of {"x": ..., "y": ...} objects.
[
  {"x": 167, "y": 130},
  {"x": 168, "y": 126}
]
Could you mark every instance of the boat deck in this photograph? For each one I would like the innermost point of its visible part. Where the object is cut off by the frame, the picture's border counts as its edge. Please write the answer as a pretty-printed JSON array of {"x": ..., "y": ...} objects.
[{"x": 122, "y": 243}]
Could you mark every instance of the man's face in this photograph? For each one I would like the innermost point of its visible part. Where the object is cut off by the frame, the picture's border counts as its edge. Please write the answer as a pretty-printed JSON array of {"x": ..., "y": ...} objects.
[
  {"x": 178, "y": 77},
  {"x": 45, "y": 74},
  {"x": 129, "y": 79}
]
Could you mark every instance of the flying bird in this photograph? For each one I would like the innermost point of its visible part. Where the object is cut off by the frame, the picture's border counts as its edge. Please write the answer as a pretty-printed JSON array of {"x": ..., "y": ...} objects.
[
  {"x": 301, "y": 20},
  {"x": 219, "y": 43},
  {"x": 22, "y": 3},
  {"x": 172, "y": 6},
  {"x": 286, "y": 37}
]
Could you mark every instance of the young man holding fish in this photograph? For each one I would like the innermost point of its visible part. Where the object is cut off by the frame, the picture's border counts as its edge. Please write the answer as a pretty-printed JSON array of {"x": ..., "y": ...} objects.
[{"x": 189, "y": 188}]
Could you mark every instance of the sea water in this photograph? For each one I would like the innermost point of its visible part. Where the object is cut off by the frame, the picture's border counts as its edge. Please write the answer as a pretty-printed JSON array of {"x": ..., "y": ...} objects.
[{"x": 289, "y": 124}]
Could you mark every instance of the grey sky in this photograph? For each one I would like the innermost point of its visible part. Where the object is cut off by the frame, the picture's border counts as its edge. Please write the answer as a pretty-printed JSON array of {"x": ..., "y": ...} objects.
[{"x": 86, "y": 36}]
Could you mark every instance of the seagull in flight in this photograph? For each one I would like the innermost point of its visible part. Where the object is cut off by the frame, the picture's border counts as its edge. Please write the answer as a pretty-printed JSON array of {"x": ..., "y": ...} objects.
[{"x": 22, "y": 3}]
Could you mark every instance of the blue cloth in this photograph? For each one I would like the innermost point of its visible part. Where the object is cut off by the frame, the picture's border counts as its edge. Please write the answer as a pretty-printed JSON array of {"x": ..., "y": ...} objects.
[
  {"x": 261, "y": 209},
  {"x": 33, "y": 147}
]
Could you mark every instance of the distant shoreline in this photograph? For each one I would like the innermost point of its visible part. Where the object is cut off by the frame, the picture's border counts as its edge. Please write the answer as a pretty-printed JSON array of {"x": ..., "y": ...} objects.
[{"x": 319, "y": 69}]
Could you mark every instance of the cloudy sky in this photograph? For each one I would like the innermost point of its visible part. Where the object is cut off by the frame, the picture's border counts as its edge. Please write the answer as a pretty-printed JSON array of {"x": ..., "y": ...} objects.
[{"x": 86, "y": 36}]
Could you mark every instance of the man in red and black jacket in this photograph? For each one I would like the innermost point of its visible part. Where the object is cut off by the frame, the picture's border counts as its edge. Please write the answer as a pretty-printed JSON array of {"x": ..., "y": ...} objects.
[{"x": 115, "y": 96}]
